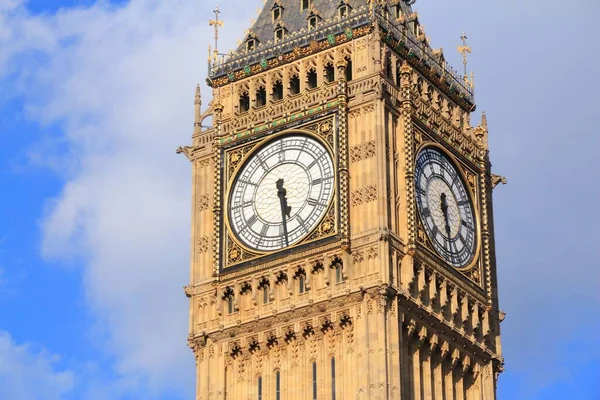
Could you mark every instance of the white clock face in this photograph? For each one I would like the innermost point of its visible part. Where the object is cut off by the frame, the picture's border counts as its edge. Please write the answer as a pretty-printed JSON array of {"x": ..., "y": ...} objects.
[
  {"x": 281, "y": 193},
  {"x": 445, "y": 208}
]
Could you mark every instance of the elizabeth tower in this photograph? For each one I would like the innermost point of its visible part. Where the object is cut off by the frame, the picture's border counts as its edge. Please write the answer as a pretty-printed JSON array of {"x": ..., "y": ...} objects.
[{"x": 342, "y": 233}]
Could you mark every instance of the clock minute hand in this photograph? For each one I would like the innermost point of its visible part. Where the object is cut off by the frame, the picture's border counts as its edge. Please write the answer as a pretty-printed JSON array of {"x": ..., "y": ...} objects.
[
  {"x": 285, "y": 209},
  {"x": 444, "y": 204}
]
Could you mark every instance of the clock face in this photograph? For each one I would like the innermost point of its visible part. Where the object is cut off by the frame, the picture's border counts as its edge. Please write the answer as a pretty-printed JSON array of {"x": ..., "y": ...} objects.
[
  {"x": 281, "y": 193},
  {"x": 445, "y": 207}
]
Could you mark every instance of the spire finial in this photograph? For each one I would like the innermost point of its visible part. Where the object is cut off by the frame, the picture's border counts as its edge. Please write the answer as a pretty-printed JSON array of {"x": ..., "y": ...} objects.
[
  {"x": 198, "y": 109},
  {"x": 484, "y": 123},
  {"x": 465, "y": 50},
  {"x": 217, "y": 24}
]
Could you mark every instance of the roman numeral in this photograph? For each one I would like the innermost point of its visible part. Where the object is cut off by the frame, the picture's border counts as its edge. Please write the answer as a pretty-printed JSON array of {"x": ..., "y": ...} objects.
[
  {"x": 252, "y": 220},
  {"x": 314, "y": 203},
  {"x": 244, "y": 182},
  {"x": 263, "y": 231},
  {"x": 243, "y": 205},
  {"x": 317, "y": 181}
]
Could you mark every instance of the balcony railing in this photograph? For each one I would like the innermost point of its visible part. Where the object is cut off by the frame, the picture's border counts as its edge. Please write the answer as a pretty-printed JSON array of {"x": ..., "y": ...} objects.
[{"x": 358, "y": 17}]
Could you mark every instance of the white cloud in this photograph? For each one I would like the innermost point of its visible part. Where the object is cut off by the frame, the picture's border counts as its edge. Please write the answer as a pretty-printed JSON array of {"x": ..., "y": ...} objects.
[
  {"x": 26, "y": 373},
  {"x": 120, "y": 83}
]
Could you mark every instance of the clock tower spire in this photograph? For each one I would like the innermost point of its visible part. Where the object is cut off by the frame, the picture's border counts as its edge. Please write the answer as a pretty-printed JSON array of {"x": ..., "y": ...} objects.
[{"x": 342, "y": 230}]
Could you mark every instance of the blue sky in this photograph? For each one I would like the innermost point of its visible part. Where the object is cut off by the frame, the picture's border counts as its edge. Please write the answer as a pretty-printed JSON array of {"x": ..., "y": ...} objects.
[{"x": 94, "y": 205}]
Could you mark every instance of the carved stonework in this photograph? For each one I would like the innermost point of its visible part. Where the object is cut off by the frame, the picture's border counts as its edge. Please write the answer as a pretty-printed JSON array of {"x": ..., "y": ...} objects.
[
  {"x": 364, "y": 195},
  {"x": 203, "y": 244},
  {"x": 203, "y": 202},
  {"x": 364, "y": 287}
]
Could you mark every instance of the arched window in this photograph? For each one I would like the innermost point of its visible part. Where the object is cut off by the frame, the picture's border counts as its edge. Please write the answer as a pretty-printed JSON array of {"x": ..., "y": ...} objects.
[
  {"x": 329, "y": 72},
  {"x": 332, "y": 378},
  {"x": 348, "y": 69},
  {"x": 228, "y": 296},
  {"x": 260, "y": 396},
  {"x": 230, "y": 305},
  {"x": 338, "y": 266},
  {"x": 314, "y": 380},
  {"x": 244, "y": 102},
  {"x": 301, "y": 284},
  {"x": 225, "y": 385},
  {"x": 261, "y": 97},
  {"x": 278, "y": 91},
  {"x": 311, "y": 78},
  {"x": 294, "y": 84},
  {"x": 398, "y": 74},
  {"x": 265, "y": 295},
  {"x": 339, "y": 278},
  {"x": 277, "y": 385}
]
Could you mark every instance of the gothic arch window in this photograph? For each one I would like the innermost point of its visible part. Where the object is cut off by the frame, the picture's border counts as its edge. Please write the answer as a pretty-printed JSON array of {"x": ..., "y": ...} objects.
[
  {"x": 261, "y": 97},
  {"x": 225, "y": 385},
  {"x": 244, "y": 102},
  {"x": 314, "y": 380},
  {"x": 295, "y": 84},
  {"x": 264, "y": 285},
  {"x": 277, "y": 90},
  {"x": 228, "y": 296},
  {"x": 338, "y": 265},
  {"x": 348, "y": 69},
  {"x": 250, "y": 44},
  {"x": 300, "y": 277},
  {"x": 329, "y": 72},
  {"x": 277, "y": 385},
  {"x": 259, "y": 388},
  {"x": 333, "y": 378},
  {"x": 312, "y": 22},
  {"x": 398, "y": 74},
  {"x": 311, "y": 78}
]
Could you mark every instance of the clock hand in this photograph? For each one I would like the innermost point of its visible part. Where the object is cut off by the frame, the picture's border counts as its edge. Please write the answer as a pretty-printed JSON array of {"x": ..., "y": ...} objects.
[
  {"x": 444, "y": 204},
  {"x": 285, "y": 209}
]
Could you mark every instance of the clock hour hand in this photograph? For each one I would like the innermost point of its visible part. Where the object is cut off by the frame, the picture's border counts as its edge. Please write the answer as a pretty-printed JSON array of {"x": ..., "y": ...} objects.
[
  {"x": 285, "y": 209},
  {"x": 444, "y": 204}
]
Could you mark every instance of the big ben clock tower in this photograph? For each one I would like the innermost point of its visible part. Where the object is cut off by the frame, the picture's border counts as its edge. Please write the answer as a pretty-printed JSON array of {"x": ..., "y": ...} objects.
[{"x": 342, "y": 231}]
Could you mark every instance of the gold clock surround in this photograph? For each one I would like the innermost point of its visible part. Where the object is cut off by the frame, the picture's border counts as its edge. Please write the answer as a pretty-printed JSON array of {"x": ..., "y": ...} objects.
[
  {"x": 471, "y": 191},
  {"x": 235, "y": 156}
]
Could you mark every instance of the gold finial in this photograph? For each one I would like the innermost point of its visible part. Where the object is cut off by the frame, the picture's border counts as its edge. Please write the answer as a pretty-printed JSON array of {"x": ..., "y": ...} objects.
[
  {"x": 198, "y": 109},
  {"x": 198, "y": 96},
  {"x": 217, "y": 24},
  {"x": 465, "y": 50}
]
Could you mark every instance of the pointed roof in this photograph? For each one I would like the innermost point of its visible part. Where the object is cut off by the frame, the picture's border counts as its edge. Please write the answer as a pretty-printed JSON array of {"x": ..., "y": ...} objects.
[{"x": 295, "y": 19}]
